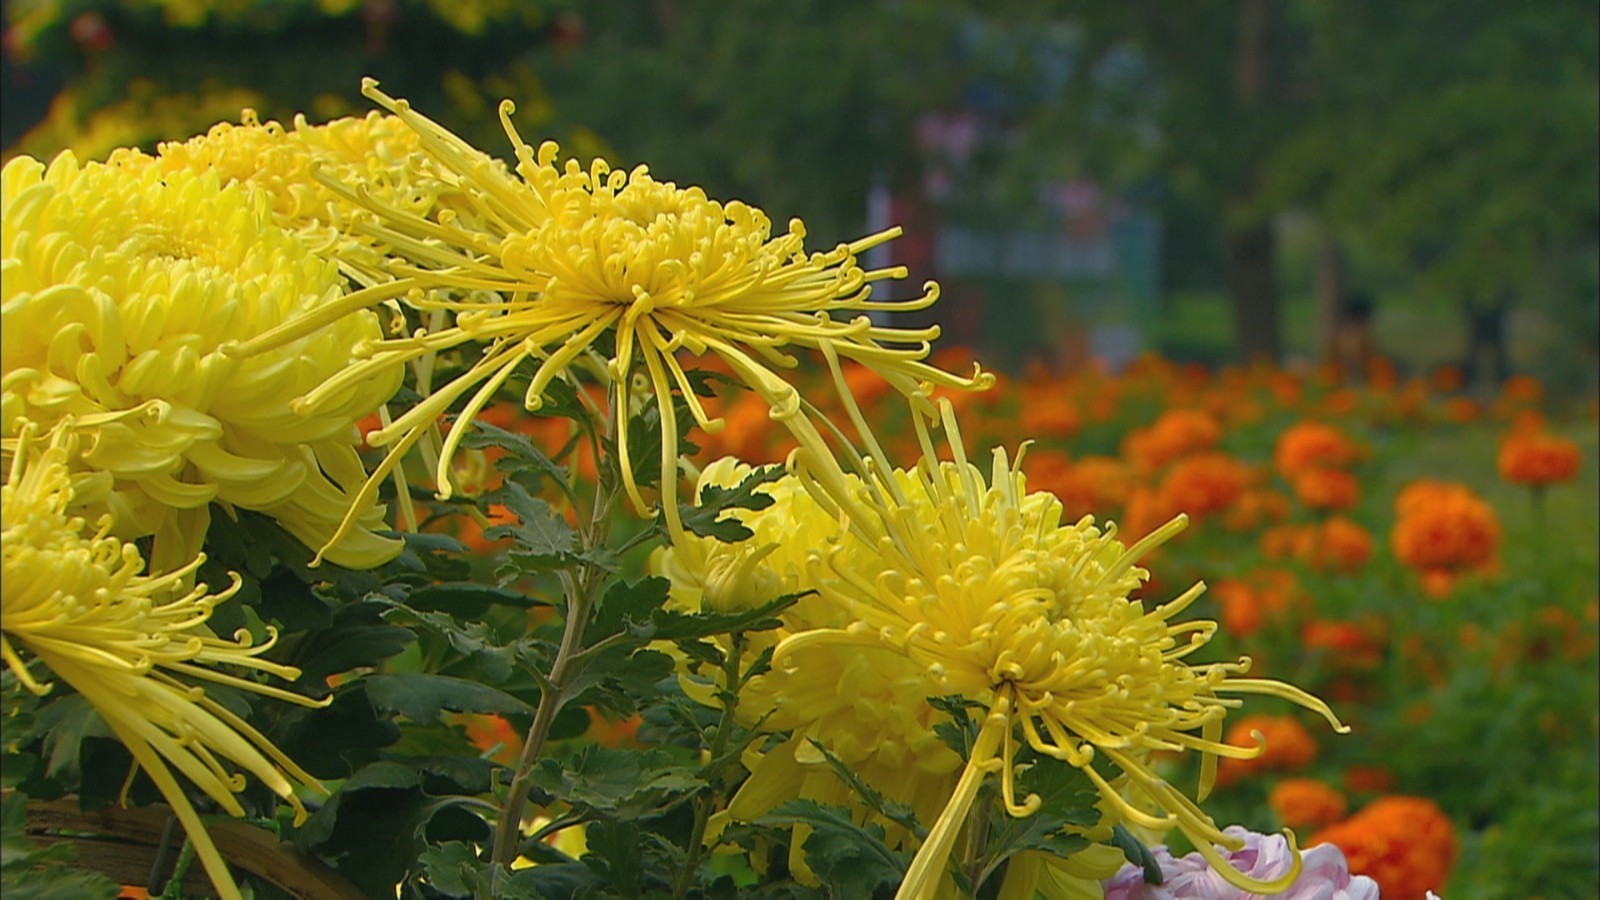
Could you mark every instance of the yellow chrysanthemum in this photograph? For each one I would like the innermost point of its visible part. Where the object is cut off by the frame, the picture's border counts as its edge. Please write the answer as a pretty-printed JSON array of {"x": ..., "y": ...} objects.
[
  {"x": 76, "y": 601},
  {"x": 869, "y": 709},
  {"x": 563, "y": 255},
  {"x": 120, "y": 285},
  {"x": 991, "y": 596},
  {"x": 378, "y": 152}
]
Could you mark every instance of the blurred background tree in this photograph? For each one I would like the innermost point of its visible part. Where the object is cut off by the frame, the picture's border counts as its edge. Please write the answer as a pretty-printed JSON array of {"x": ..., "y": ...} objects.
[{"x": 1295, "y": 154}]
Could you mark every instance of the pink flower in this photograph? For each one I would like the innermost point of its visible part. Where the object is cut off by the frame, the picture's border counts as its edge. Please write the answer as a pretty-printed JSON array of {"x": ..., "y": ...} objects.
[{"x": 1323, "y": 874}]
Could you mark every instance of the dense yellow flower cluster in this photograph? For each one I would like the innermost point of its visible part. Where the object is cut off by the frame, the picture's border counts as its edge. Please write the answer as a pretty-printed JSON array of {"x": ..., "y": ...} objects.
[
  {"x": 379, "y": 153},
  {"x": 561, "y": 255},
  {"x": 78, "y": 601},
  {"x": 869, "y": 708},
  {"x": 951, "y": 583},
  {"x": 121, "y": 287},
  {"x": 197, "y": 327}
]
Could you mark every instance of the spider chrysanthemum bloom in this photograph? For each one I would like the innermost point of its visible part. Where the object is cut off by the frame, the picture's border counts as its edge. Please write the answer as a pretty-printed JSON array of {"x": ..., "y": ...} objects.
[
  {"x": 121, "y": 284},
  {"x": 553, "y": 259},
  {"x": 994, "y": 597},
  {"x": 870, "y": 710},
  {"x": 76, "y": 602},
  {"x": 379, "y": 152}
]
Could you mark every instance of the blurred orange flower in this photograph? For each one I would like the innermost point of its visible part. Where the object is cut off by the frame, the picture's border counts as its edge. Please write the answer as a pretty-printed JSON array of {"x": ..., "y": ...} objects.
[
  {"x": 1406, "y": 844},
  {"x": 1093, "y": 485},
  {"x": 1522, "y": 389},
  {"x": 1046, "y": 412},
  {"x": 608, "y": 732},
  {"x": 1369, "y": 779},
  {"x": 1538, "y": 458},
  {"x": 1288, "y": 541},
  {"x": 1338, "y": 544},
  {"x": 1448, "y": 378},
  {"x": 1312, "y": 445},
  {"x": 1205, "y": 484},
  {"x": 1256, "y": 508},
  {"x": 1245, "y": 606},
  {"x": 1174, "y": 434},
  {"x": 1288, "y": 746},
  {"x": 1330, "y": 489},
  {"x": 1346, "y": 644},
  {"x": 1462, "y": 410},
  {"x": 1444, "y": 527},
  {"x": 1147, "y": 509},
  {"x": 1306, "y": 803},
  {"x": 491, "y": 733}
]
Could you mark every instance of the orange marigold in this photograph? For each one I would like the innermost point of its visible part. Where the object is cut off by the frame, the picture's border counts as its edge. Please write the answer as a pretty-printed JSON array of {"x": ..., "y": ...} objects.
[
  {"x": 1339, "y": 545},
  {"x": 1205, "y": 484},
  {"x": 1245, "y": 607},
  {"x": 1448, "y": 378},
  {"x": 1538, "y": 458},
  {"x": 1175, "y": 434},
  {"x": 1047, "y": 413},
  {"x": 1444, "y": 528},
  {"x": 1256, "y": 508},
  {"x": 1406, "y": 844},
  {"x": 1265, "y": 596},
  {"x": 1369, "y": 779},
  {"x": 1522, "y": 389},
  {"x": 1287, "y": 746},
  {"x": 1346, "y": 644},
  {"x": 1462, "y": 410},
  {"x": 1093, "y": 485},
  {"x": 1288, "y": 541},
  {"x": 1306, "y": 803},
  {"x": 1332, "y": 489},
  {"x": 1312, "y": 445}
]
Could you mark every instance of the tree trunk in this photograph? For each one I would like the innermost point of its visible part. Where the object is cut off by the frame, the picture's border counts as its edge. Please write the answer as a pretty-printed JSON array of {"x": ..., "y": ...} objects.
[
  {"x": 1250, "y": 243},
  {"x": 1328, "y": 287},
  {"x": 1488, "y": 359},
  {"x": 1253, "y": 292}
]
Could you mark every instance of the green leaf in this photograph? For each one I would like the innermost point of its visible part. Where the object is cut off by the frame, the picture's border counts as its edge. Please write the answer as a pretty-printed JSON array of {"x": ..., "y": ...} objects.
[
  {"x": 1138, "y": 854},
  {"x": 620, "y": 680},
  {"x": 850, "y": 860},
  {"x": 472, "y": 640},
  {"x": 624, "y": 783},
  {"x": 357, "y": 637},
  {"x": 64, "y": 724},
  {"x": 522, "y": 457},
  {"x": 676, "y": 626},
  {"x": 1067, "y": 798},
  {"x": 376, "y": 826},
  {"x": 449, "y": 868},
  {"x": 705, "y": 519},
  {"x": 541, "y": 536},
  {"x": 332, "y": 741},
  {"x": 959, "y": 733},
  {"x": 422, "y": 697},
  {"x": 894, "y": 811},
  {"x": 614, "y": 854},
  {"x": 466, "y": 600},
  {"x": 629, "y": 606}
]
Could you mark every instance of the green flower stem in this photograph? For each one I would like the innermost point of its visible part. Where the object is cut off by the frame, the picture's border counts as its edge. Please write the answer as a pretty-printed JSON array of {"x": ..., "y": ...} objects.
[
  {"x": 580, "y": 588},
  {"x": 703, "y": 804},
  {"x": 508, "y": 828}
]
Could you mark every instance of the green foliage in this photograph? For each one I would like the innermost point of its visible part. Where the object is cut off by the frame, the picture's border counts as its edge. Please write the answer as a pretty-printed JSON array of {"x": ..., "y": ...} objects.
[
  {"x": 41, "y": 873},
  {"x": 705, "y": 518},
  {"x": 850, "y": 860}
]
